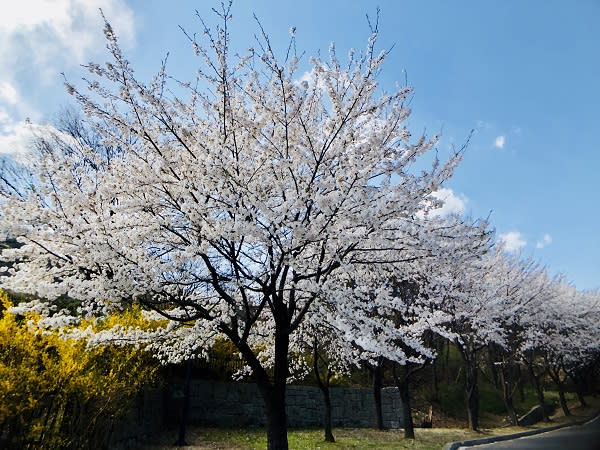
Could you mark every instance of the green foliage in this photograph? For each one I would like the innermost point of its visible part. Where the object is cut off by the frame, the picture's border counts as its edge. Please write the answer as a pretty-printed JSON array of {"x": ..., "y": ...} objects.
[{"x": 56, "y": 393}]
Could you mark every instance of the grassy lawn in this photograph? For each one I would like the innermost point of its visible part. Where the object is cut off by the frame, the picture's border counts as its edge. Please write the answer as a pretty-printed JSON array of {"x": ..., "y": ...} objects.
[
  {"x": 201, "y": 438},
  {"x": 351, "y": 438},
  {"x": 255, "y": 439}
]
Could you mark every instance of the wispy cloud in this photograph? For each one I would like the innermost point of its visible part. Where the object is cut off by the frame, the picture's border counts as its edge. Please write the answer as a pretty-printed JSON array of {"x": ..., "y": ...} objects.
[
  {"x": 544, "y": 242},
  {"x": 484, "y": 125},
  {"x": 499, "y": 142},
  {"x": 513, "y": 241}
]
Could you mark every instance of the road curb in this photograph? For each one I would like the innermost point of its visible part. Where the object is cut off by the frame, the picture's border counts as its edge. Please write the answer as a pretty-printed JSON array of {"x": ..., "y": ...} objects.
[{"x": 507, "y": 437}]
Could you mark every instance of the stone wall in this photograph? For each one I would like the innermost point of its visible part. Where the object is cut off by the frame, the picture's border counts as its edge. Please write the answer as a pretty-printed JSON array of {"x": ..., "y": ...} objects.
[
  {"x": 240, "y": 405},
  {"x": 145, "y": 419}
]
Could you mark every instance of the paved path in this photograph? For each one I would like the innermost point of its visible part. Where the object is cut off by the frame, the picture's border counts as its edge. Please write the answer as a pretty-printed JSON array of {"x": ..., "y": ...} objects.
[{"x": 578, "y": 437}]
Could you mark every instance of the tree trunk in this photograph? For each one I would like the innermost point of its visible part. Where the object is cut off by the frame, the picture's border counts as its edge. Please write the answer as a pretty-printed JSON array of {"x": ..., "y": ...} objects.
[
  {"x": 539, "y": 390},
  {"x": 447, "y": 367},
  {"x": 473, "y": 407},
  {"x": 580, "y": 397},
  {"x": 492, "y": 366},
  {"x": 555, "y": 375},
  {"x": 323, "y": 384},
  {"x": 274, "y": 398},
  {"x": 409, "y": 426},
  {"x": 276, "y": 418},
  {"x": 274, "y": 394},
  {"x": 472, "y": 395},
  {"x": 563, "y": 400},
  {"x": 507, "y": 394},
  {"x": 403, "y": 390},
  {"x": 186, "y": 405},
  {"x": 520, "y": 383},
  {"x": 327, "y": 418},
  {"x": 579, "y": 388},
  {"x": 377, "y": 386},
  {"x": 436, "y": 387}
]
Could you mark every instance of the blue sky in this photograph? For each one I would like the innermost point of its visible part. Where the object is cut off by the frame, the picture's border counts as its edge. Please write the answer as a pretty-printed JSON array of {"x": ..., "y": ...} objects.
[{"x": 524, "y": 75}]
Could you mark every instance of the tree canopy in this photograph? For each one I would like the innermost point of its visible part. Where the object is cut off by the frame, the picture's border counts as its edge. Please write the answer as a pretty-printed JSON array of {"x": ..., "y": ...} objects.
[{"x": 253, "y": 202}]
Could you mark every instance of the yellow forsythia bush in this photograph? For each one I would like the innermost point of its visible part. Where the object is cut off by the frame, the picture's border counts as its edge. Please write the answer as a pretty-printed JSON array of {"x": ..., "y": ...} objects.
[{"x": 55, "y": 393}]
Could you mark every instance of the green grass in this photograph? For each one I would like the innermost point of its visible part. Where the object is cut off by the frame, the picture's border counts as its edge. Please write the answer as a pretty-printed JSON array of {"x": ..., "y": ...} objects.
[
  {"x": 426, "y": 439},
  {"x": 255, "y": 439}
]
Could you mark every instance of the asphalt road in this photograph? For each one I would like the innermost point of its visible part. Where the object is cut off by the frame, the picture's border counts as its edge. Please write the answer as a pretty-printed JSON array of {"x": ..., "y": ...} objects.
[{"x": 578, "y": 437}]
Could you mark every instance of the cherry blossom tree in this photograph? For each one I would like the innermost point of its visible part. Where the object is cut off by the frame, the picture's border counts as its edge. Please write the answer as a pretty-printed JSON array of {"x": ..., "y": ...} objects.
[
  {"x": 586, "y": 342},
  {"x": 235, "y": 204},
  {"x": 523, "y": 285},
  {"x": 475, "y": 318},
  {"x": 454, "y": 285},
  {"x": 533, "y": 295},
  {"x": 562, "y": 337}
]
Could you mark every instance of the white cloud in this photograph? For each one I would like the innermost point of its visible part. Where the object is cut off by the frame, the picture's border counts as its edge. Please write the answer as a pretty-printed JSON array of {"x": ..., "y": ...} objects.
[
  {"x": 4, "y": 118},
  {"x": 544, "y": 242},
  {"x": 512, "y": 241},
  {"x": 16, "y": 136},
  {"x": 51, "y": 34},
  {"x": 499, "y": 142},
  {"x": 8, "y": 93},
  {"x": 38, "y": 40},
  {"x": 452, "y": 203},
  {"x": 307, "y": 77}
]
